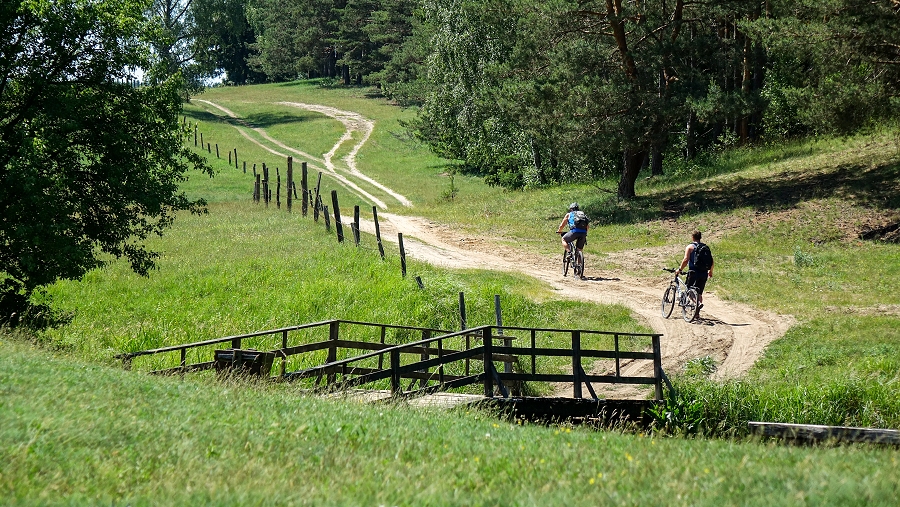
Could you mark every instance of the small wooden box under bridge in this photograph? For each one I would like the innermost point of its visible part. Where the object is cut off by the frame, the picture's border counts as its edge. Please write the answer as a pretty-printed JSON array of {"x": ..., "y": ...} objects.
[{"x": 243, "y": 362}]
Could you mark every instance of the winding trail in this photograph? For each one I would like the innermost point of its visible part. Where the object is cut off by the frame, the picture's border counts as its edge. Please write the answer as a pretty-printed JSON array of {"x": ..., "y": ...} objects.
[{"x": 735, "y": 335}]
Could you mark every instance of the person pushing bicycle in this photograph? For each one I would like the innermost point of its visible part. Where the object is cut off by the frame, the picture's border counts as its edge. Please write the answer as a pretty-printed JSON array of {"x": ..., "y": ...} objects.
[
  {"x": 578, "y": 225},
  {"x": 699, "y": 261}
]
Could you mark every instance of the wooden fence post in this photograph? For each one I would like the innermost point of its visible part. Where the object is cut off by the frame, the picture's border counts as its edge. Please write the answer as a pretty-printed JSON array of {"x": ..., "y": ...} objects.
[
  {"x": 316, "y": 199},
  {"x": 378, "y": 232},
  {"x": 402, "y": 254},
  {"x": 195, "y": 135},
  {"x": 235, "y": 159},
  {"x": 462, "y": 312},
  {"x": 356, "y": 225},
  {"x": 337, "y": 217},
  {"x": 256, "y": 189},
  {"x": 265, "y": 184},
  {"x": 217, "y": 153},
  {"x": 327, "y": 220},
  {"x": 316, "y": 209},
  {"x": 277, "y": 188},
  {"x": 290, "y": 181},
  {"x": 304, "y": 188}
]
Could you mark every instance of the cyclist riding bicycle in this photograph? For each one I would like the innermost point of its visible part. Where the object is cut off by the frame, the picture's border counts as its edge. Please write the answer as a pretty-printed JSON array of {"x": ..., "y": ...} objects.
[{"x": 578, "y": 225}]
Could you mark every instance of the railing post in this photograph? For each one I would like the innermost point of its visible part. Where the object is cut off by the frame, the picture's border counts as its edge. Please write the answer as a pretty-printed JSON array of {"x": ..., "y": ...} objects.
[
  {"x": 576, "y": 364},
  {"x": 618, "y": 359},
  {"x": 507, "y": 365},
  {"x": 395, "y": 372},
  {"x": 381, "y": 356},
  {"x": 486, "y": 340},
  {"x": 462, "y": 325},
  {"x": 657, "y": 366},
  {"x": 440, "y": 345},
  {"x": 333, "y": 334},
  {"x": 424, "y": 356},
  {"x": 284, "y": 342},
  {"x": 183, "y": 359},
  {"x": 533, "y": 355}
]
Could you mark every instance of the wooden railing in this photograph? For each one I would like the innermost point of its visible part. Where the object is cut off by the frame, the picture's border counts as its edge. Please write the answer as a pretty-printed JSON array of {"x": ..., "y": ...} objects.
[
  {"x": 433, "y": 357},
  {"x": 277, "y": 337}
]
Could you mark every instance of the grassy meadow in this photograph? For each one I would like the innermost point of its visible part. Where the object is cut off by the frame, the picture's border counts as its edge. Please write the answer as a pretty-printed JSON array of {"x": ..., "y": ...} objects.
[
  {"x": 784, "y": 222},
  {"x": 86, "y": 434}
]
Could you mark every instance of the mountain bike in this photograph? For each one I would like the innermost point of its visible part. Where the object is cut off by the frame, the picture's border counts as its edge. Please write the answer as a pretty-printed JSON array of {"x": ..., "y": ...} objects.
[
  {"x": 574, "y": 258},
  {"x": 686, "y": 297}
]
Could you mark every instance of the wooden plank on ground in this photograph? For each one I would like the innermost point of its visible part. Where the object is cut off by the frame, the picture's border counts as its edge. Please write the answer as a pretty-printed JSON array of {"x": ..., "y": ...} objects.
[{"x": 820, "y": 433}]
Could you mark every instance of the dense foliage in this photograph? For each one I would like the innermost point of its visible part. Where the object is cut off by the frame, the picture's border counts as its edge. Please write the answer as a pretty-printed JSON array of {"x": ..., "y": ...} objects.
[
  {"x": 89, "y": 164},
  {"x": 529, "y": 92}
]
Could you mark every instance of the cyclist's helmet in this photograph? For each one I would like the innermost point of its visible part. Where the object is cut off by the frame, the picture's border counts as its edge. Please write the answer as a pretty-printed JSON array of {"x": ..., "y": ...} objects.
[{"x": 573, "y": 206}]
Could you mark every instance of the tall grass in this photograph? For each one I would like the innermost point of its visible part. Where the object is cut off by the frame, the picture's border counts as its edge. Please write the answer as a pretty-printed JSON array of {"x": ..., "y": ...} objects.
[{"x": 835, "y": 370}]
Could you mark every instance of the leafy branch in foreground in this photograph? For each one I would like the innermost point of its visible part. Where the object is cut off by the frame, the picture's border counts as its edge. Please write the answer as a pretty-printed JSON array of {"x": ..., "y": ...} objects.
[{"x": 89, "y": 164}]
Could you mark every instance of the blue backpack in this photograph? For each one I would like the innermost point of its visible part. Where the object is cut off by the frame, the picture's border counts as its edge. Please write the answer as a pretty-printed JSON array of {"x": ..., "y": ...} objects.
[{"x": 579, "y": 219}]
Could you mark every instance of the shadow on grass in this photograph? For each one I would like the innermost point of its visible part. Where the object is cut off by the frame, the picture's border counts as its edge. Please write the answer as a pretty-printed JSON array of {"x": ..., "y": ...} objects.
[
  {"x": 875, "y": 188},
  {"x": 261, "y": 120},
  {"x": 266, "y": 120}
]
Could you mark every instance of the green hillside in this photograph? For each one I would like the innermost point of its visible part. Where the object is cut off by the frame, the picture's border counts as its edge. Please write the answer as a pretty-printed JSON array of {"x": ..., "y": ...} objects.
[{"x": 806, "y": 229}]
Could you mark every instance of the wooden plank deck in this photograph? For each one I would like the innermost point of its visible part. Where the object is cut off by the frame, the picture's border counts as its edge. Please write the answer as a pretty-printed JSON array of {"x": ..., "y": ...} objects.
[{"x": 437, "y": 400}]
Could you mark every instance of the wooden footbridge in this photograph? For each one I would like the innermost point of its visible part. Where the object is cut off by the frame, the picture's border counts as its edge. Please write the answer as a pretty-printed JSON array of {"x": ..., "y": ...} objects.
[{"x": 383, "y": 361}]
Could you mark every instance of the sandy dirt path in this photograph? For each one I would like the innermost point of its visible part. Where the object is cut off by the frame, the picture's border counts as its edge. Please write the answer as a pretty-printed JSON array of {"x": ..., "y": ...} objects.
[{"x": 734, "y": 334}]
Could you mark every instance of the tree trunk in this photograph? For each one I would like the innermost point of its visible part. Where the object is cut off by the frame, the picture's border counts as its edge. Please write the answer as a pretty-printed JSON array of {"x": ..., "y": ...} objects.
[
  {"x": 633, "y": 159},
  {"x": 656, "y": 160}
]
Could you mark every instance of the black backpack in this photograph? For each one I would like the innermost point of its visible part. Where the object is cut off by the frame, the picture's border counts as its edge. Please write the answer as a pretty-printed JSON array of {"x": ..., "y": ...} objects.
[
  {"x": 580, "y": 219},
  {"x": 703, "y": 259}
]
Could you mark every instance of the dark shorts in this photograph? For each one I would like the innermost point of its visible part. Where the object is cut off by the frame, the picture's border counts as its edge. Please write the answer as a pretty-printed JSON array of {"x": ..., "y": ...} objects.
[
  {"x": 580, "y": 238},
  {"x": 697, "y": 279}
]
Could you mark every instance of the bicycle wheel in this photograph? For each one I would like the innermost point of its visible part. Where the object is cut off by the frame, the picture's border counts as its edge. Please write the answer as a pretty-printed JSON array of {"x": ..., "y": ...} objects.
[
  {"x": 578, "y": 267},
  {"x": 690, "y": 308},
  {"x": 668, "y": 302},
  {"x": 566, "y": 261}
]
